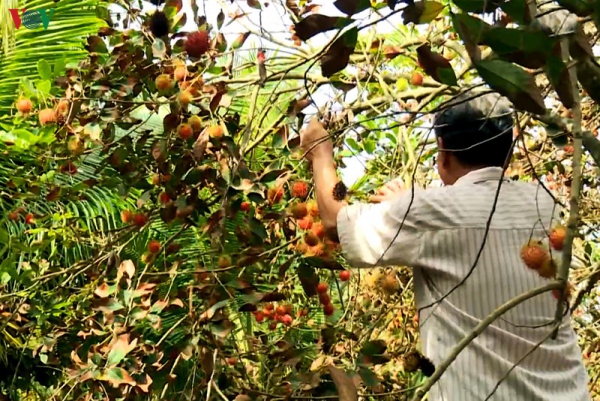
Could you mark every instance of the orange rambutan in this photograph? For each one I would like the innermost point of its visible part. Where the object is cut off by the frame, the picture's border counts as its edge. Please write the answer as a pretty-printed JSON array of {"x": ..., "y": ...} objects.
[
  {"x": 305, "y": 223},
  {"x": 557, "y": 237},
  {"x": 534, "y": 255},
  {"x": 299, "y": 210},
  {"x": 300, "y": 190}
]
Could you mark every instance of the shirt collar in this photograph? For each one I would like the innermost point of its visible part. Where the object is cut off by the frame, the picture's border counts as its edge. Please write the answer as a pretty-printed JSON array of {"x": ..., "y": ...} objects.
[{"x": 482, "y": 174}]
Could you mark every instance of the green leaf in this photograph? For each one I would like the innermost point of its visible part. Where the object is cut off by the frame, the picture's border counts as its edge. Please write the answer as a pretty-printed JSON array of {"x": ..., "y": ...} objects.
[
  {"x": 220, "y": 19},
  {"x": 514, "y": 83},
  {"x": 351, "y": 7},
  {"x": 308, "y": 278},
  {"x": 422, "y": 12},
  {"x": 447, "y": 76},
  {"x": 115, "y": 356},
  {"x": 44, "y": 87},
  {"x": 518, "y": 10},
  {"x": 272, "y": 175},
  {"x": 258, "y": 228},
  {"x": 117, "y": 376},
  {"x": 470, "y": 29},
  {"x": 528, "y": 48},
  {"x": 369, "y": 146},
  {"x": 353, "y": 144},
  {"x": 559, "y": 77},
  {"x": 44, "y": 69},
  {"x": 59, "y": 67}
]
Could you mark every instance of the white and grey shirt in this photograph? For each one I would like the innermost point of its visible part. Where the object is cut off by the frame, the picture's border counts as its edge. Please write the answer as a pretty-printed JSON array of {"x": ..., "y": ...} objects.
[{"x": 440, "y": 238}]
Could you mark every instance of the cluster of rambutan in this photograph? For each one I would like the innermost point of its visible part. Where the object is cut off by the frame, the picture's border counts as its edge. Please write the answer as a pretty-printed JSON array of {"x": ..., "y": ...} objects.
[
  {"x": 537, "y": 255},
  {"x": 325, "y": 299},
  {"x": 280, "y": 314},
  {"x": 314, "y": 241},
  {"x": 15, "y": 215}
]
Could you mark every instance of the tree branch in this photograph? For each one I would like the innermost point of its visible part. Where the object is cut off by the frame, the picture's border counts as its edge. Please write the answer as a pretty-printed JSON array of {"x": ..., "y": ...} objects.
[{"x": 567, "y": 252}]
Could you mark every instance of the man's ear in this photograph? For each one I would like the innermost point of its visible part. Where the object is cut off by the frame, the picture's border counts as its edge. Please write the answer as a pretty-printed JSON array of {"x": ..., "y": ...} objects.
[{"x": 443, "y": 158}]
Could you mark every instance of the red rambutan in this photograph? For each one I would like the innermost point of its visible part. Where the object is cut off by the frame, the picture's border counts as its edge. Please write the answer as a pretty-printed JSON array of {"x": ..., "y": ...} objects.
[{"x": 197, "y": 43}]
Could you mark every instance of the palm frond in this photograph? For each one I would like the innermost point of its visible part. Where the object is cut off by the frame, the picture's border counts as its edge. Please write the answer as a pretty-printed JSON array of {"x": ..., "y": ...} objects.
[{"x": 63, "y": 41}]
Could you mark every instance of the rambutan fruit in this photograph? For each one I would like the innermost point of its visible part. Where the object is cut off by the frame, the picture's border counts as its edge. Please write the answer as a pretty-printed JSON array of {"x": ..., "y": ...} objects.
[
  {"x": 340, "y": 191},
  {"x": 164, "y": 198},
  {"x": 185, "y": 97},
  {"x": 275, "y": 194},
  {"x": 185, "y": 131},
  {"x": 299, "y": 210},
  {"x": 68, "y": 168},
  {"x": 567, "y": 291},
  {"x": 47, "y": 116},
  {"x": 324, "y": 298},
  {"x": 302, "y": 247},
  {"x": 75, "y": 145},
  {"x": 300, "y": 190},
  {"x": 389, "y": 284},
  {"x": 534, "y": 255},
  {"x": 245, "y": 206},
  {"x": 153, "y": 246},
  {"x": 164, "y": 83},
  {"x": 62, "y": 107},
  {"x": 24, "y": 105},
  {"x": 126, "y": 216},
  {"x": 313, "y": 208},
  {"x": 215, "y": 131},
  {"x": 548, "y": 269},
  {"x": 140, "y": 219},
  {"x": 224, "y": 262},
  {"x": 318, "y": 230},
  {"x": 311, "y": 239},
  {"x": 197, "y": 43},
  {"x": 29, "y": 218},
  {"x": 322, "y": 287},
  {"x": 305, "y": 223},
  {"x": 180, "y": 73},
  {"x": 557, "y": 237},
  {"x": 287, "y": 320},
  {"x": 345, "y": 275},
  {"x": 159, "y": 24},
  {"x": 328, "y": 309},
  {"x": 195, "y": 122}
]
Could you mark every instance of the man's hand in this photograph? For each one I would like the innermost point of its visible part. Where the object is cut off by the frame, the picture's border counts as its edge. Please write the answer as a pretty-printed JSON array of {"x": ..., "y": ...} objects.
[
  {"x": 389, "y": 191},
  {"x": 315, "y": 140}
]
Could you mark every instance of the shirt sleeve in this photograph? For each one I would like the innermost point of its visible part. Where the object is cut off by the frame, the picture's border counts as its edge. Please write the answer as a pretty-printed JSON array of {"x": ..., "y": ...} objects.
[{"x": 367, "y": 231}]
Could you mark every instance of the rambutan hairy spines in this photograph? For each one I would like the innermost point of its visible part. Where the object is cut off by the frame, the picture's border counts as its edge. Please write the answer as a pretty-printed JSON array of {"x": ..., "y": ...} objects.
[
  {"x": 159, "y": 24},
  {"x": 197, "y": 43},
  {"x": 340, "y": 191},
  {"x": 300, "y": 190}
]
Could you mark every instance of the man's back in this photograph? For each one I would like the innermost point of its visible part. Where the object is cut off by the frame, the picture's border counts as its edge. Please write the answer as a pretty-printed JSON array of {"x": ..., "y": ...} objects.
[
  {"x": 458, "y": 218},
  {"x": 450, "y": 226}
]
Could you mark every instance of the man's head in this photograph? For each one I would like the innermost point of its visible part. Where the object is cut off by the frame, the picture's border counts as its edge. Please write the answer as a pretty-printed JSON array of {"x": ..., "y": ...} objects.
[{"x": 472, "y": 133}]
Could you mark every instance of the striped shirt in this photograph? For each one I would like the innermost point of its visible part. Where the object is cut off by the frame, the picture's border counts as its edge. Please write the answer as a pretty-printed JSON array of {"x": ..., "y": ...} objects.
[{"x": 441, "y": 236}]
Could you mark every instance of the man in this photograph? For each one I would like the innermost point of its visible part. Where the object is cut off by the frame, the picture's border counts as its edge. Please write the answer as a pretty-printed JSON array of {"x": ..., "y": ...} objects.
[{"x": 463, "y": 242}]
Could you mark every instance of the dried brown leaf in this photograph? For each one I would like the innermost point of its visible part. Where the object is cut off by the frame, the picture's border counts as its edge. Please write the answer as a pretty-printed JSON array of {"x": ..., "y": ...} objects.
[{"x": 345, "y": 385}]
